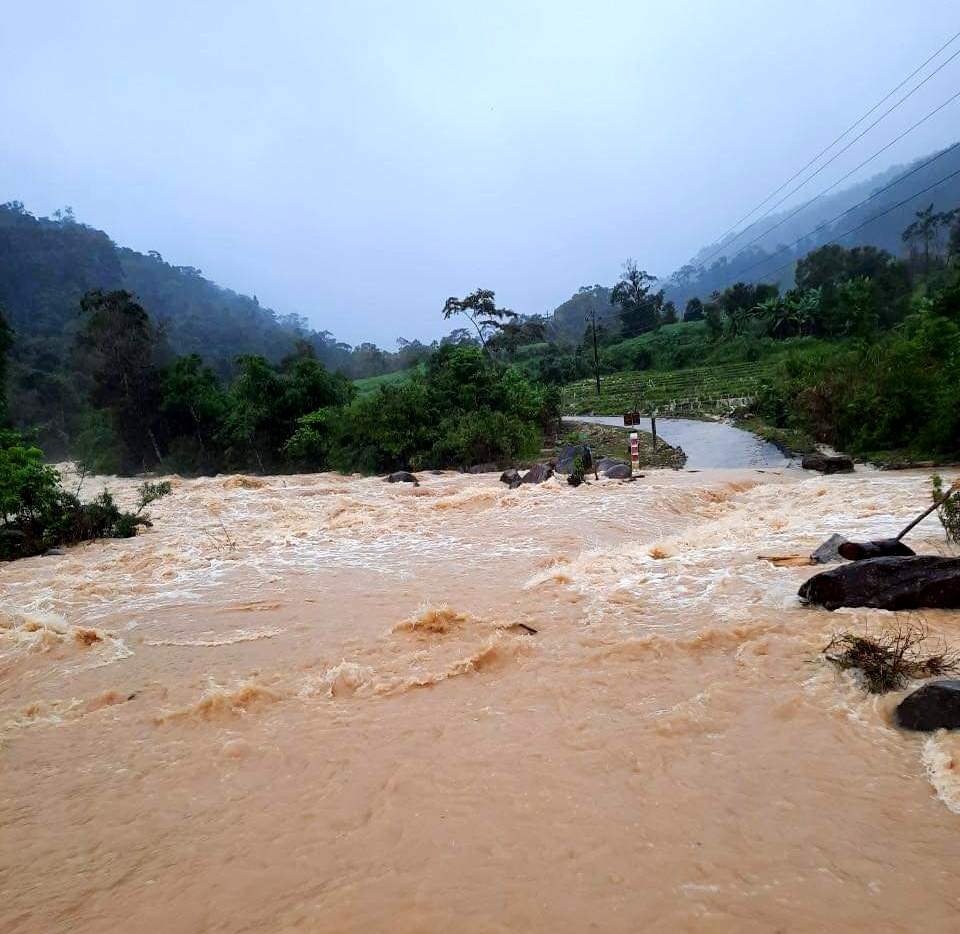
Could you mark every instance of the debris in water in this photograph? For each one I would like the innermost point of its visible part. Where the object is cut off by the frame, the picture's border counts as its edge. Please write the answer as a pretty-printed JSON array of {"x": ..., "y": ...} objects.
[{"x": 892, "y": 658}]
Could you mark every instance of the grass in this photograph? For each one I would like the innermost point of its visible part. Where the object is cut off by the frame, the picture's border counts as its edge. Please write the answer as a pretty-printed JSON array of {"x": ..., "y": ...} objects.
[
  {"x": 370, "y": 384},
  {"x": 698, "y": 387},
  {"x": 792, "y": 441}
]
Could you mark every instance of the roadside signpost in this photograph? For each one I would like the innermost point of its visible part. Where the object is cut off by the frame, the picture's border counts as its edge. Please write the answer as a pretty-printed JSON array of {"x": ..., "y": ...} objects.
[{"x": 634, "y": 452}]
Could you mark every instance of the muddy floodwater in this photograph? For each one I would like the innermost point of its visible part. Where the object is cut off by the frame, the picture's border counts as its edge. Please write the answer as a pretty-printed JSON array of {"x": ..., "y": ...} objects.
[{"x": 313, "y": 703}]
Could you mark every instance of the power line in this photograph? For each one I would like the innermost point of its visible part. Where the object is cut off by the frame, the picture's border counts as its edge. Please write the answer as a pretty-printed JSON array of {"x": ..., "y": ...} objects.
[
  {"x": 853, "y": 171},
  {"x": 822, "y": 152},
  {"x": 850, "y": 210},
  {"x": 875, "y": 217}
]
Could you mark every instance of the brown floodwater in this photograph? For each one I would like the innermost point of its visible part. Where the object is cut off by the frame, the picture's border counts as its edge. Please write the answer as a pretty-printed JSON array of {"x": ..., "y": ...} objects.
[{"x": 311, "y": 704}]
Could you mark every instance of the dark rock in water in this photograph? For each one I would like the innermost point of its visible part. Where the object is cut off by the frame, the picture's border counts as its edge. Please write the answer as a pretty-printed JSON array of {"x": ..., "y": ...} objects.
[
  {"x": 829, "y": 551},
  {"x": 511, "y": 477},
  {"x": 575, "y": 479},
  {"x": 53, "y": 552},
  {"x": 828, "y": 463},
  {"x": 618, "y": 472},
  {"x": 403, "y": 476},
  {"x": 935, "y": 706},
  {"x": 483, "y": 468},
  {"x": 605, "y": 463},
  {"x": 537, "y": 474},
  {"x": 888, "y": 584},
  {"x": 884, "y": 548},
  {"x": 570, "y": 453}
]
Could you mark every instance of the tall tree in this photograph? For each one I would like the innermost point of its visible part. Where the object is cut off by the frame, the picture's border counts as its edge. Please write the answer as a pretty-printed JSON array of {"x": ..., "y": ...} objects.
[
  {"x": 6, "y": 342},
  {"x": 118, "y": 347},
  {"x": 639, "y": 309},
  {"x": 480, "y": 309}
]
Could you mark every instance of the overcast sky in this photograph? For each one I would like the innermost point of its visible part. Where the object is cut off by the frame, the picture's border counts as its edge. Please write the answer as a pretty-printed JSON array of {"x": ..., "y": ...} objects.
[{"x": 357, "y": 162}]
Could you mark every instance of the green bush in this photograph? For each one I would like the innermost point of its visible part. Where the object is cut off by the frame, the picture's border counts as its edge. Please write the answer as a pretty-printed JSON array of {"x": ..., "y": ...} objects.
[
  {"x": 36, "y": 513},
  {"x": 461, "y": 409}
]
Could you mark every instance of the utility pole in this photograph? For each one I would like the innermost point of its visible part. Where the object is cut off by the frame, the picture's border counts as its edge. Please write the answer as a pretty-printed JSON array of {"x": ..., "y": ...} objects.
[{"x": 596, "y": 355}]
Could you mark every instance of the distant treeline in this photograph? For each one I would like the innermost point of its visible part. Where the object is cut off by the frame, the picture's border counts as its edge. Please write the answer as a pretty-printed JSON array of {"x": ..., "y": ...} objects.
[
  {"x": 48, "y": 263},
  {"x": 146, "y": 408}
]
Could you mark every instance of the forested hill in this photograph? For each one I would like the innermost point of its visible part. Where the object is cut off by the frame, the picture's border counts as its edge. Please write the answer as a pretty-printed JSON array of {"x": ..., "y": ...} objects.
[
  {"x": 47, "y": 264},
  {"x": 879, "y": 222}
]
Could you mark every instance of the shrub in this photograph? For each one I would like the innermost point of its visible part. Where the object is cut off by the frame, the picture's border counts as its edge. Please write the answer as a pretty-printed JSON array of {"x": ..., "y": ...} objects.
[{"x": 36, "y": 513}]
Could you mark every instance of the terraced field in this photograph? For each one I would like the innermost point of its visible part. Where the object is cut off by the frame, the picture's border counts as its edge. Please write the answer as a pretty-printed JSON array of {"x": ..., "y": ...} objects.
[{"x": 707, "y": 390}]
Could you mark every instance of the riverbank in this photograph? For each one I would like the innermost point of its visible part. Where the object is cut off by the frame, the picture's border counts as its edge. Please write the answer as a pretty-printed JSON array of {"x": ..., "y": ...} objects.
[
  {"x": 614, "y": 441},
  {"x": 314, "y": 702}
]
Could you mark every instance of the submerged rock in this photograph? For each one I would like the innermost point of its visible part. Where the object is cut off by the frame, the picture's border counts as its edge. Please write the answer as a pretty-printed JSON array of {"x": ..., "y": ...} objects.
[
  {"x": 618, "y": 472},
  {"x": 888, "y": 584},
  {"x": 570, "y": 453},
  {"x": 537, "y": 474},
  {"x": 828, "y": 463},
  {"x": 829, "y": 551},
  {"x": 483, "y": 468},
  {"x": 403, "y": 476},
  {"x": 511, "y": 477},
  {"x": 935, "y": 706},
  {"x": 884, "y": 548}
]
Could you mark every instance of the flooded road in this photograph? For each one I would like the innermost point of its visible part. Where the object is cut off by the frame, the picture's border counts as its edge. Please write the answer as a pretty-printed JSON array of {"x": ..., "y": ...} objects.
[
  {"x": 313, "y": 703},
  {"x": 707, "y": 444}
]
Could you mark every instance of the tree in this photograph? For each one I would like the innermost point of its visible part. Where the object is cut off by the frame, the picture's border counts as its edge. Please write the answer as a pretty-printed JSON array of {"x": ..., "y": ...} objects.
[
  {"x": 669, "y": 315},
  {"x": 694, "y": 310},
  {"x": 713, "y": 316},
  {"x": 926, "y": 234},
  {"x": 6, "y": 342},
  {"x": 118, "y": 347},
  {"x": 639, "y": 310},
  {"x": 480, "y": 309}
]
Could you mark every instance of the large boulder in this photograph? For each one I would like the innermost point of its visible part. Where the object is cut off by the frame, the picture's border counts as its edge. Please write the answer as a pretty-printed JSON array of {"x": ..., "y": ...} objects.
[
  {"x": 489, "y": 467},
  {"x": 828, "y": 463},
  {"x": 888, "y": 584},
  {"x": 935, "y": 706},
  {"x": 618, "y": 472},
  {"x": 570, "y": 453},
  {"x": 538, "y": 473},
  {"x": 403, "y": 476}
]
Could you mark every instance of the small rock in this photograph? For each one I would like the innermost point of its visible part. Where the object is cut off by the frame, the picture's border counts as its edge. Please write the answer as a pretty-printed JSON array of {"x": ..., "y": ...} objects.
[
  {"x": 403, "y": 476},
  {"x": 828, "y": 463},
  {"x": 53, "y": 552},
  {"x": 935, "y": 706},
  {"x": 537, "y": 474},
  {"x": 482, "y": 468},
  {"x": 511, "y": 477}
]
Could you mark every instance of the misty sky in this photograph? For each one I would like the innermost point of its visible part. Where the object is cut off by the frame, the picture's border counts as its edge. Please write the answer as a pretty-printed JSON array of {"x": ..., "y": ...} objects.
[{"x": 357, "y": 162}]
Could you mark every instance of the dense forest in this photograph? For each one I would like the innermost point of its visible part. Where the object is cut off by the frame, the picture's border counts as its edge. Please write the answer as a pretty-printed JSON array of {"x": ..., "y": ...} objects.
[{"x": 48, "y": 264}]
